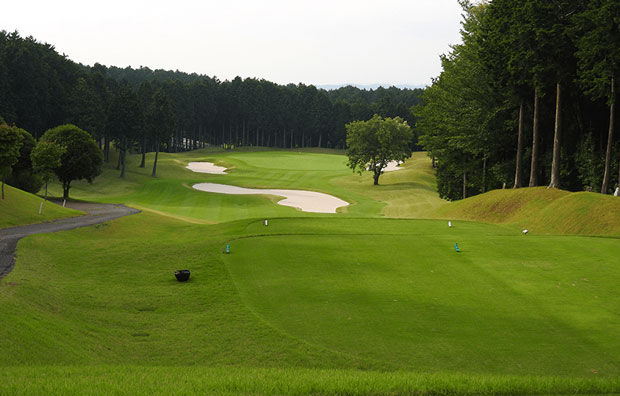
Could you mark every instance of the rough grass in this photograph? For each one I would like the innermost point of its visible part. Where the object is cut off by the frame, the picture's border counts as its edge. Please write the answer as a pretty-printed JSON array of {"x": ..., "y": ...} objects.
[
  {"x": 228, "y": 381},
  {"x": 20, "y": 208},
  {"x": 541, "y": 210}
]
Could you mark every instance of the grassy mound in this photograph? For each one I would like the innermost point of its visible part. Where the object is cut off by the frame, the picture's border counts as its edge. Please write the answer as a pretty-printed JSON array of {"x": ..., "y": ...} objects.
[
  {"x": 541, "y": 210},
  {"x": 20, "y": 208}
]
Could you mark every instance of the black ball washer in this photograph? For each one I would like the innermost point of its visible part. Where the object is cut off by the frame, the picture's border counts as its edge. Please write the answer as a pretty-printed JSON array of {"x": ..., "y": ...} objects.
[{"x": 182, "y": 275}]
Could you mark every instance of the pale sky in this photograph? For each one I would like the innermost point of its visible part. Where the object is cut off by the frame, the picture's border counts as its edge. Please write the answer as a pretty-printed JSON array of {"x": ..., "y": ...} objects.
[{"x": 314, "y": 42}]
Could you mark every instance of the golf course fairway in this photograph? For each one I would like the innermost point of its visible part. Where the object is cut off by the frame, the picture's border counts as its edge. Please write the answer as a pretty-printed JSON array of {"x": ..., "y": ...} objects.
[{"x": 372, "y": 300}]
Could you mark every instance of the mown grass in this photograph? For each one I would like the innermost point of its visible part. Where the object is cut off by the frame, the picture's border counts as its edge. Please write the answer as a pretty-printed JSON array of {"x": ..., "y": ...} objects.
[
  {"x": 20, "y": 208},
  {"x": 404, "y": 193},
  {"x": 350, "y": 303},
  {"x": 395, "y": 291}
]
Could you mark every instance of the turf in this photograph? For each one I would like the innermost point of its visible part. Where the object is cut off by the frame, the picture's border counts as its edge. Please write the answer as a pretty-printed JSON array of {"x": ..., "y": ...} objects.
[
  {"x": 405, "y": 193},
  {"x": 349, "y": 303},
  {"x": 148, "y": 381},
  {"x": 20, "y": 208},
  {"x": 541, "y": 210},
  {"x": 507, "y": 304}
]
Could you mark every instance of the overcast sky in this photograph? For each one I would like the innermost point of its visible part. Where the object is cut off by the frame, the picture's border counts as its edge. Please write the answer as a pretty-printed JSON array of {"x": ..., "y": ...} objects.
[{"x": 285, "y": 41}]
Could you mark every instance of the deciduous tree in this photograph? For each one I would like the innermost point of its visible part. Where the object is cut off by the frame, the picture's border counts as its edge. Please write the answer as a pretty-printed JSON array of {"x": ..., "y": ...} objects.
[
  {"x": 372, "y": 144},
  {"x": 46, "y": 159},
  {"x": 81, "y": 159},
  {"x": 10, "y": 143}
]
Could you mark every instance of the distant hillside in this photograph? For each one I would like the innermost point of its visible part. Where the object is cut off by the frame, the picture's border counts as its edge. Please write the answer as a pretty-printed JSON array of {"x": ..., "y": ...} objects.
[
  {"x": 20, "y": 208},
  {"x": 541, "y": 210},
  {"x": 369, "y": 86}
]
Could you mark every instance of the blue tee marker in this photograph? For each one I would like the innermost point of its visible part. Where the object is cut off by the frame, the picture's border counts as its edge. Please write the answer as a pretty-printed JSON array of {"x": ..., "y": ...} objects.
[{"x": 456, "y": 247}]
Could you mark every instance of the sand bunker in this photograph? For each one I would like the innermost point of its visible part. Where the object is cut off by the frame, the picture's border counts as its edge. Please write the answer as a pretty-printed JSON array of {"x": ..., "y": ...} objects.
[
  {"x": 206, "y": 167},
  {"x": 307, "y": 201},
  {"x": 391, "y": 166}
]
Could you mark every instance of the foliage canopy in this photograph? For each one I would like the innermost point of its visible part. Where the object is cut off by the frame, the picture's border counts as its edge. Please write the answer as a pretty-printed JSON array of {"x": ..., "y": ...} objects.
[{"x": 374, "y": 143}]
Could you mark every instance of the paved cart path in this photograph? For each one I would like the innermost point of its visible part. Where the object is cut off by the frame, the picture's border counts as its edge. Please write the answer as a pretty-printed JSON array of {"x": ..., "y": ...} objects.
[{"x": 96, "y": 213}]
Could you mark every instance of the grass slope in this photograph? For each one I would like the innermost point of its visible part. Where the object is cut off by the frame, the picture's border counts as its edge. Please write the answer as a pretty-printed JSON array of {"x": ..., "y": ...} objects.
[
  {"x": 20, "y": 208},
  {"x": 541, "y": 210}
]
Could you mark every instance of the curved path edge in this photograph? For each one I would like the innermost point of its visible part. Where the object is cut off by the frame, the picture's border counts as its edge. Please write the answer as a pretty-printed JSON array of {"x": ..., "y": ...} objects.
[{"x": 96, "y": 213}]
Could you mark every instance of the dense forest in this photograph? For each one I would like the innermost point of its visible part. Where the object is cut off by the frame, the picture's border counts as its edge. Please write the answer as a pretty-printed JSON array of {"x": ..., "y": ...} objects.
[
  {"x": 147, "y": 110},
  {"x": 527, "y": 99}
]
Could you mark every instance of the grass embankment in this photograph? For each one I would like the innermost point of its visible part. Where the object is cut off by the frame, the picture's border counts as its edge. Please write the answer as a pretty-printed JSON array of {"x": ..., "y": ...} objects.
[
  {"x": 541, "y": 210},
  {"x": 20, "y": 208},
  {"x": 311, "y": 304}
]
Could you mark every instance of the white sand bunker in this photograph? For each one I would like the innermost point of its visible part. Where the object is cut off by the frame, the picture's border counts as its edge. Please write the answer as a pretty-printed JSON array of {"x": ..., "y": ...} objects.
[
  {"x": 307, "y": 201},
  {"x": 391, "y": 166},
  {"x": 206, "y": 167}
]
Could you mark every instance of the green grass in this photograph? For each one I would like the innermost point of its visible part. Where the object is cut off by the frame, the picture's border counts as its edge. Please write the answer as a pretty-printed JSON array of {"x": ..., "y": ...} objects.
[
  {"x": 20, "y": 208},
  {"x": 541, "y": 210},
  {"x": 350, "y": 303},
  {"x": 404, "y": 193},
  {"x": 148, "y": 381},
  {"x": 507, "y": 304}
]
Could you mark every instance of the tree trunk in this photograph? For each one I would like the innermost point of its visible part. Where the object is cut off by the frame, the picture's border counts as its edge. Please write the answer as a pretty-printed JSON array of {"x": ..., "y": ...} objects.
[
  {"x": 433, "y": 165},
  {"x": 464, "y": 184},
  {"x": 142, "y": 163},
  {"x": 65, "y": 189},
  {"x": 555, "y": 164},
  {"x": 106, "y": 148},
  {"x": 123, "y": 154},
  {"x": 377, "y": 172},
  {"x": 320, "y": 139},
  {"x": 2, "y": 189},
  {"x": 243, "y": 134},
  {"x": 484, "y": 174},
  {"x": 610, "y": 140},
  {"x": 519, "y": 147},
  {"x": 154, "y": 174},
  {"x": 618, "y": 174},
  {"x": 535, "y": 143}
]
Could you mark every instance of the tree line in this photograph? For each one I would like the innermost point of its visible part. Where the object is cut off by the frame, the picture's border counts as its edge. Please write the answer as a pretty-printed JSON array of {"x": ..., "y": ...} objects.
[
  {"x": 527, "y": 98},
  {"x": 144, "y": 110}
]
